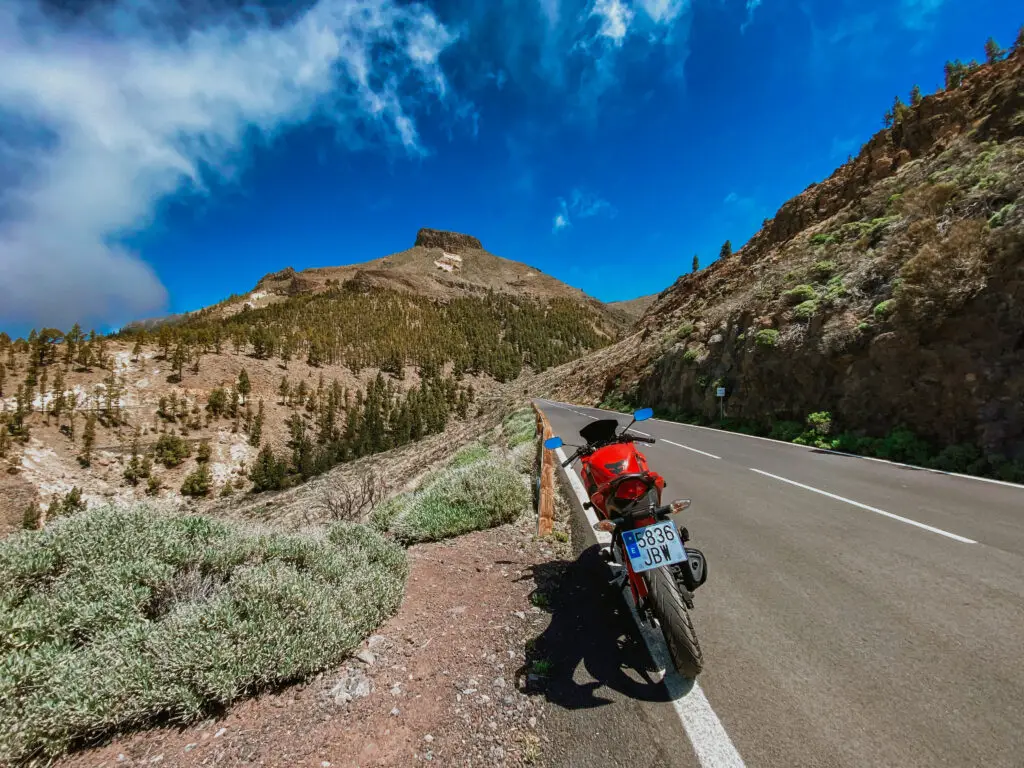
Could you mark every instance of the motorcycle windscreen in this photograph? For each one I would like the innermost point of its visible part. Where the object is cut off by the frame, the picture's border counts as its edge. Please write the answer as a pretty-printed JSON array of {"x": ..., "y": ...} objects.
[{"x": 599, "y": 431}]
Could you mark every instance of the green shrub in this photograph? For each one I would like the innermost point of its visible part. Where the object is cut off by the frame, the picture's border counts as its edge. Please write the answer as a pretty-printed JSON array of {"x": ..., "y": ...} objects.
[
  {"x": 198, "y": 482},
  {"x": 820, "y": 423},
  {"x": 684, "y": 332},
  {"x": 823, "y": 269},
  {"x": 524, "y": 458},
  {"x": 965, "y": 459},
  {"x": 999, "y": 217},
  {"x": 205, "y": 452},
  {"x": 519, "y": 427},
  {"x": 690, "y": 355},
  {"x": 469, "y": 454},
  {"x": 615, "y": 401},
  {"x": 903, "y": 446},
  {"x": 116, "y": 617},
  {"x": 767, "y": 337},
  {"x": 383, "y": 515},
  {"x": 822, "y": 239},
  {"x": 457, "y": 501},
  {"x": 171, "y": 450},
  {"x": 883, "y": 309},
  {"x": 786, "y": 430},
  {"x": 799, "y": 294},
  {"x": 68, "y": 504},
  {"x": 805, "y": 310}
]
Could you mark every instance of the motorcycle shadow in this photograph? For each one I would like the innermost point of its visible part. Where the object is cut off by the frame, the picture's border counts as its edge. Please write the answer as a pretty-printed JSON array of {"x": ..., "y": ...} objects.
[{"x": 592, "y": 643}]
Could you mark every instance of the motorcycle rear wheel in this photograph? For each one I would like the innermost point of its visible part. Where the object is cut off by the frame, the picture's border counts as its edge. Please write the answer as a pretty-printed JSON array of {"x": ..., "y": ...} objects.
[{"x": 676, "y": 625}]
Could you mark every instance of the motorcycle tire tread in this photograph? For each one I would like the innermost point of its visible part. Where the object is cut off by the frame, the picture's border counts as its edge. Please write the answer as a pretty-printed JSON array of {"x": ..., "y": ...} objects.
[{"x": 676, "y": 625}]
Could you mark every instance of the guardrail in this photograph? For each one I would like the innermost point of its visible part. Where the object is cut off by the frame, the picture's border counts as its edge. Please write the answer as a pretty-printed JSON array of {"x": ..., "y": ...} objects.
[{"x": 546, "y": 497}]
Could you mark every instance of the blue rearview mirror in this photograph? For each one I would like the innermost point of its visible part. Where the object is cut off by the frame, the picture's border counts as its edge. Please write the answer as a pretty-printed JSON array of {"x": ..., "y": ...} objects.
[
  {"x": 643, "y": 414},
  {"x": 553, "y": 442}
]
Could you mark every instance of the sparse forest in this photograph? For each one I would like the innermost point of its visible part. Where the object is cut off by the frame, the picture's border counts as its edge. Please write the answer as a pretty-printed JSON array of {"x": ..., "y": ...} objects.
[
  {"x": 495, "y": 334},
  {"x": 317, "y": 422}
]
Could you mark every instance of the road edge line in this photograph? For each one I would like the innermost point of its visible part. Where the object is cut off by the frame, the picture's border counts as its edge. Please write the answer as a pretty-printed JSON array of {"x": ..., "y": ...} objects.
[{"x": 707, "y": 735}]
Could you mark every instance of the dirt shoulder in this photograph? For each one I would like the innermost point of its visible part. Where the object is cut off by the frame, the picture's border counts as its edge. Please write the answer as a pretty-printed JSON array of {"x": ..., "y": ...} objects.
[{"x": 444, "y": 681}]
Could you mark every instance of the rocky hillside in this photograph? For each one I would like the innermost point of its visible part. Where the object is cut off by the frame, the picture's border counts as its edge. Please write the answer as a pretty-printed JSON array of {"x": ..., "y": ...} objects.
[
  {"x": 634, "y": 309},
  {"x": 890, "y": 294},
  {"x": 440, "y": 265},
  {"x": 310, "y": 370}
]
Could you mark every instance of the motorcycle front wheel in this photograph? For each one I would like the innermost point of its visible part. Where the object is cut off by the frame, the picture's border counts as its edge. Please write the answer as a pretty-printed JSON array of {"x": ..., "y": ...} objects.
[{"x": 670, "y": 609}]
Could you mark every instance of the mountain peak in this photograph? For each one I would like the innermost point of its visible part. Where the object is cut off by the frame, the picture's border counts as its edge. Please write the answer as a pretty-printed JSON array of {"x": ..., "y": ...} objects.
[{"x": 453, "y": 242}]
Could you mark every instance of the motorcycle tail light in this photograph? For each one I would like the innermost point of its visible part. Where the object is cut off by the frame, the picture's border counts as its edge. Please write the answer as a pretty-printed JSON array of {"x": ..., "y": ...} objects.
[
  {"x": 604, "y": 525},
  {"x": 631, "y": 489}
]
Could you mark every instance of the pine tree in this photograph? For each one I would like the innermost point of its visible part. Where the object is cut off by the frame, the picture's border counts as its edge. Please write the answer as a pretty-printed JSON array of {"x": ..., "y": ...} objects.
[
  {"x": 134, "y": 472},
  {"x": 85, "y": 356},
  {"x": 137, "y": 349},
  {"x": 1018, "y": 44},
  {"x": 204, "y": 453},
  {"x": 88, "y": 440},
  {"x": 993, "y": 52},
  {"x": 268, "y": 473},
  {"x": 256, "y": 431},
  {"x": 896, "y": 113},
  {"x": 726, "y": 251},
  {"x": 198, "y": 482},
  {"x": 915, "y": 96},
  {"x": 57, "y": 404},
  {"x": 44, "y": 376},
  {"x": 71, "y": 340},
  {"x": 955, "y": 71},
  {"x": 696, "y": 263},
  {"x": 3, "y": 378},
  {"x": 178, "y": 360},
  {"x": 244, "y": 387}
]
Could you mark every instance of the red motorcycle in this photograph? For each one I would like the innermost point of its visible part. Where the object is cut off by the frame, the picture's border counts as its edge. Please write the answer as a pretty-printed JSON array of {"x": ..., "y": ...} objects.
[{"x": 646, "y": 544}]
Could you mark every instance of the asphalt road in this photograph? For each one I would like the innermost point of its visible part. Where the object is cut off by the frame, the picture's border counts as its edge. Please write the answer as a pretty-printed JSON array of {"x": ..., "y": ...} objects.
[{"x": 857, "y": 613}]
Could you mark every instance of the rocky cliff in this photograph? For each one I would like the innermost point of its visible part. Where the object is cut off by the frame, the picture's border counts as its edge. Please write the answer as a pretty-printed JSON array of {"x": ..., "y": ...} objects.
[
  {"x": 453, "y": 242},
  {"x": 890, "y": 294}
]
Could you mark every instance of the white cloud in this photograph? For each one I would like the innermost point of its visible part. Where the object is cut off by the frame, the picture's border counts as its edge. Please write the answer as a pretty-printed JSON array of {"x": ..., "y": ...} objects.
[
  {"x": 665, "y": 11},
  {"x": 615, "y": 19},
  {"x": 120, "y": 110},
  {"x": 752, "y": 5},
  {"x": 561, "y": 220},
  {"x": 581, "y": 205}
]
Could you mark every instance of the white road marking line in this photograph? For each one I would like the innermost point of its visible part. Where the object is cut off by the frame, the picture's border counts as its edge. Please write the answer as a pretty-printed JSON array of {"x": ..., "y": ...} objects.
[
  {"x": 908, "y": 521},
  {"x": 708, "y": 736},
  {"x": 695, "y": 450},
  {"x": 705, "y": 731},
  {"x": 603, "y": 537},
  {"x": 645, "y": 434}
]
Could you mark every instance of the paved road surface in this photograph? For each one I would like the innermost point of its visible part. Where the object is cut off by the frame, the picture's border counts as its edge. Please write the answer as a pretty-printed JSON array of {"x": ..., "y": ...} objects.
[{"x": 856, "y": 613}]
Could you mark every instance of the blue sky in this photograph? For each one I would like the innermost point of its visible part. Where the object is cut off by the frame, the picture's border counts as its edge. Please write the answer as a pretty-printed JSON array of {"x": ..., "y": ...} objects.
[{"x": 153, "y": 162}]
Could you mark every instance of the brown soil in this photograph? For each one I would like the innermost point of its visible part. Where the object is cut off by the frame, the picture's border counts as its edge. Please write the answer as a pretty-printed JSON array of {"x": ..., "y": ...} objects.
[{"x": 447, "y": 679}]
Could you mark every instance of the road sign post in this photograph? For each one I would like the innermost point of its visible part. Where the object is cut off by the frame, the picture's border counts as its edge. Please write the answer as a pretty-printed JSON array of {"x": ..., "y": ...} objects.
[{"x": 720, "y": 393}]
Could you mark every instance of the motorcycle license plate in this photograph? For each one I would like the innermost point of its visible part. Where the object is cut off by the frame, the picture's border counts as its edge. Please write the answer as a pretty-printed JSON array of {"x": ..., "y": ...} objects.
[{"x": 654, "y": 546}]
